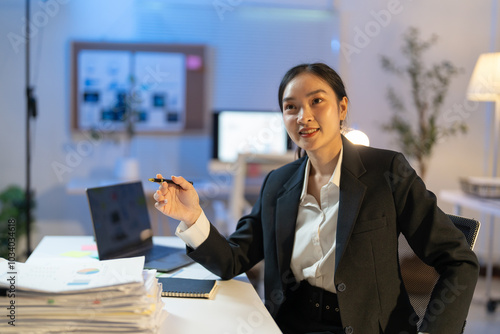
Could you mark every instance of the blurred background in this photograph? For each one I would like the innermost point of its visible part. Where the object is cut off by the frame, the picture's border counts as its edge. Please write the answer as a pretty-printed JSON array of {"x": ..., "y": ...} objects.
[{"x": 248, "y": 45}]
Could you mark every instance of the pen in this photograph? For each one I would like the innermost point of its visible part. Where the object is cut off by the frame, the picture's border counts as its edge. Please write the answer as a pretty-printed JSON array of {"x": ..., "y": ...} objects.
[{"x": 164, "y": 180}]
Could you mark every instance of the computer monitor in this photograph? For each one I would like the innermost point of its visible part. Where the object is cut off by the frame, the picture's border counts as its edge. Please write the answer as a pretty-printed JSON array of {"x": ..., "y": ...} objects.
[{"x": 248, "y": 131}]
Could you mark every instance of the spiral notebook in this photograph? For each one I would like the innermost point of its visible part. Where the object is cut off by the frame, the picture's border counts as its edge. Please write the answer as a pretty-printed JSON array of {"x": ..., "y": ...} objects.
[{"x": 188, "y": 287}]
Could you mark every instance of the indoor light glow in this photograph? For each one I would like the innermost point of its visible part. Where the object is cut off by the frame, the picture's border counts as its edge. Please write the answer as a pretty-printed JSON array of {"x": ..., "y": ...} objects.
[
  {"x": 484, "y": 84},
  {"x": 358, "y": 137}
]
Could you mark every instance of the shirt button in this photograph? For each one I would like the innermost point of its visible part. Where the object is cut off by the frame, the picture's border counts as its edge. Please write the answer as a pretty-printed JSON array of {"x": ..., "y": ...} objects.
[
  {"x": 348, "y": 330},
  {"x": 317, "y": 305},
  {"x": 341, "y": 287}
]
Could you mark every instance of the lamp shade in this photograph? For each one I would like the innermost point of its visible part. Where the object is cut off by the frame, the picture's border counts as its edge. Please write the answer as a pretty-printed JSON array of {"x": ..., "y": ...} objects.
[{"x": 484, "y": 84}]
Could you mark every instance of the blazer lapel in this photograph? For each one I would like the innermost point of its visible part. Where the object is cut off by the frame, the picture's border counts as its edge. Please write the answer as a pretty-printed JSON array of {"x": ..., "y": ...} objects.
[
  {"x": 352, "y": 192},
  {"x": 286, "y": 216}
]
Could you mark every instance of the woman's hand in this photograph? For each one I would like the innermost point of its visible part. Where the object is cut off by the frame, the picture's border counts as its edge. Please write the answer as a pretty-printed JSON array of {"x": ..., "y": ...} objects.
[{"x": 179, "y": 201}]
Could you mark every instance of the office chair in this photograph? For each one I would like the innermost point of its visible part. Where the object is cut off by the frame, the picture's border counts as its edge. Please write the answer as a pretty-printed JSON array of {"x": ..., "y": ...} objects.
[{"x": 419, "y": 279}]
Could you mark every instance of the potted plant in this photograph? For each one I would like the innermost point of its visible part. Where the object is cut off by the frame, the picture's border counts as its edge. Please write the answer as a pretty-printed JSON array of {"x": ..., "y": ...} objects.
[
  {"x": 418, "y": 134},
  {"x": 12, "y": 209},
  {"x": 419, "y": 130}
]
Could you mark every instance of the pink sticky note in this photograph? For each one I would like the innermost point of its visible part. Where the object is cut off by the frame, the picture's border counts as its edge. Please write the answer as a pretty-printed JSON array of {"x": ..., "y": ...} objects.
[
  {"x": 194, "y": 62},
  {"x": 89, "y": 247}
]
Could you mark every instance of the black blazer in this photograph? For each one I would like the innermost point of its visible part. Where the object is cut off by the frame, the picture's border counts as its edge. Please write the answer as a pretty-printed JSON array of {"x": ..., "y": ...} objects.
[{"x": 380, "y": 197}]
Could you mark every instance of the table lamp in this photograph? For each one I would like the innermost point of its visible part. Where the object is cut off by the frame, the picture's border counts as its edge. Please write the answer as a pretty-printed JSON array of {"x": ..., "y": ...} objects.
[{"x": 484, "y": 85}]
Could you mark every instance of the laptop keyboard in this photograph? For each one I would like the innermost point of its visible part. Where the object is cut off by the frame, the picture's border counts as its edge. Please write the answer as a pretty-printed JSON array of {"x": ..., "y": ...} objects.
[{"x": 161, "y": 251}]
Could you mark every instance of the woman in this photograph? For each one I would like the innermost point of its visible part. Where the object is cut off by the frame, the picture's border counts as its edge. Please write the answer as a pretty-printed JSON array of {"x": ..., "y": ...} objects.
[{"x": 327, "y": 226}]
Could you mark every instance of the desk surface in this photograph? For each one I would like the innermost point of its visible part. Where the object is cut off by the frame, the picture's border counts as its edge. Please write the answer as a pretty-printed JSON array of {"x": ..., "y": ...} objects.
[
  {"x": 459, "y": 198},
  {"x": 236, "y": 307}
]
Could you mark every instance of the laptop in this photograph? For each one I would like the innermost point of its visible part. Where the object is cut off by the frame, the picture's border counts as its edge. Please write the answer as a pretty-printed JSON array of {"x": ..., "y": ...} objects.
[{"x": 122, "y": 227}]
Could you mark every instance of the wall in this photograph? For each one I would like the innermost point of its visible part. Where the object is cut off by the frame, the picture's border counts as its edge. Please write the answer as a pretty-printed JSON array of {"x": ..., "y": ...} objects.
[
  {"x": 251, "y": 44},
  {"x": 370, "y": 29}
]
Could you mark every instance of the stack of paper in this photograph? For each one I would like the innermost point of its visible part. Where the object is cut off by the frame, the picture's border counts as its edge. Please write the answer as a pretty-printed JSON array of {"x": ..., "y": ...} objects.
[{"x": 80, "y": 297}]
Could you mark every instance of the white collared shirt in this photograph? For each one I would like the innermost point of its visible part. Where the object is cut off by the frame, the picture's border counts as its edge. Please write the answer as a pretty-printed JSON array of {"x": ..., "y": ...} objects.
[{"x": 313, "y": 255}]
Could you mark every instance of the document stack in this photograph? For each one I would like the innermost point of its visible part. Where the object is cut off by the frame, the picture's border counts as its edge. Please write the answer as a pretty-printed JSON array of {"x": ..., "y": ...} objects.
[{"x": 80, "y": 297}]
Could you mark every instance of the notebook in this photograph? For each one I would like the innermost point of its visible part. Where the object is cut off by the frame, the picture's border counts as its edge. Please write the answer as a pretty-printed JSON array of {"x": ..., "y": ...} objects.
[
  {"x": 187, "y": 287},
  {"x": 122, "y": 227}
]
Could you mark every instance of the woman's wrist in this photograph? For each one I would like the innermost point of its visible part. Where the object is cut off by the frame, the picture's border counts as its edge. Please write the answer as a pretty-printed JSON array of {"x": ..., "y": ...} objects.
[{"x": 189, "y": 222}]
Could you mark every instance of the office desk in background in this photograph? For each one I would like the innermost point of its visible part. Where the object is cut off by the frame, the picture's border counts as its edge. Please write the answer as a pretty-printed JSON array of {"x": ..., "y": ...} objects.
[
  {"x": 488, "y": 206},
  {"x": 236, "y": 307}
]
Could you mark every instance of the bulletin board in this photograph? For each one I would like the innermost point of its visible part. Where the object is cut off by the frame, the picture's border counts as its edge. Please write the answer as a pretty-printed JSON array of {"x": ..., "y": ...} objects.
[{"x": 161, "y": 85}]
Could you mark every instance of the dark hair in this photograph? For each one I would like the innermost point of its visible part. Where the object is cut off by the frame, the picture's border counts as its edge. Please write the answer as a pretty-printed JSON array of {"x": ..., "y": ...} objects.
[{"x": 321, "y": 70}]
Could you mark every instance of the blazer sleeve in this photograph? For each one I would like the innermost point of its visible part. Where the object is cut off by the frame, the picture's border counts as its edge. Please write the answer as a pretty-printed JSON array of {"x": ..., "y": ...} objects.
[
  {"x": 237, "y": 254},
  {"x": 436, "y": 240}
]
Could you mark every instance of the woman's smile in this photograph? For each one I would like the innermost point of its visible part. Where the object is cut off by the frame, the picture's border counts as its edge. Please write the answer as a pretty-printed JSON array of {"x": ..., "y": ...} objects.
[{"x": 308, "y": 132}]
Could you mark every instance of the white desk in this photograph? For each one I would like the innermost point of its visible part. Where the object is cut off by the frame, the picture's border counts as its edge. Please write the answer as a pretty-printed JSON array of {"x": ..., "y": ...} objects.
[
  {"x": 488, "y": 206},
  {"x": 236, "y": 307},
  {"x": 459, "y": 199}
]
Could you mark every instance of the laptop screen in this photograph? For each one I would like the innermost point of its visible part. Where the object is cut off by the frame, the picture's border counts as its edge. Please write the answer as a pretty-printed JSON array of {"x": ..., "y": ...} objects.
[{"x": 120, "y": 219}]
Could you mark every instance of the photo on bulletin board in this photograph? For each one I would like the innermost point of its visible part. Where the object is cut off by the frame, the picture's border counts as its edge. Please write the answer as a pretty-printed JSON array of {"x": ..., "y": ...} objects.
[{"x": 158, "y": 87}]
